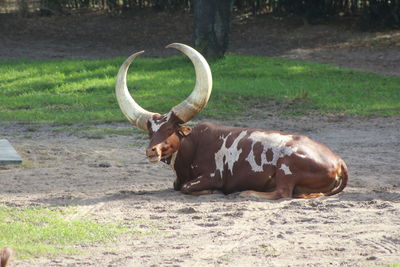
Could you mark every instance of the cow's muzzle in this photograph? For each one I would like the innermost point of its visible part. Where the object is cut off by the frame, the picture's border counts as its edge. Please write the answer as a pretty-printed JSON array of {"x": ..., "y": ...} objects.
[{"x": 154, "y": 154}]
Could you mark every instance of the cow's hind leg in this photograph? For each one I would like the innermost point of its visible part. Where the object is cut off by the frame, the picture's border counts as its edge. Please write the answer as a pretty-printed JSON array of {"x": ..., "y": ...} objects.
[
  {"x": 266, "y": 195},
  {"x": 307, "y": 196},
  {"x": 284, "y": 189},
  {"x": 203, "y": 192}
]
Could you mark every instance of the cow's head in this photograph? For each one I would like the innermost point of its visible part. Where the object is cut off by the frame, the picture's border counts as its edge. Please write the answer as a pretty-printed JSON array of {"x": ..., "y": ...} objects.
[{"x": 165, "y": 131}]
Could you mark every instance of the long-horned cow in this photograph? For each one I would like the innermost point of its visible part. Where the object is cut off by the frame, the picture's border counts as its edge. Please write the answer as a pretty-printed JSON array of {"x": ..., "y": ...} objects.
[{"x": 209, "y": 157}]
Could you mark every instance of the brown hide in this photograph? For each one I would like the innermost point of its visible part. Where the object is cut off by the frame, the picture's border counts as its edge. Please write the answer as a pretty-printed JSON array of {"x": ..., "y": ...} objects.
[
  {"x": 208, "y": 157},
  {"x": 267, "y": 164}
]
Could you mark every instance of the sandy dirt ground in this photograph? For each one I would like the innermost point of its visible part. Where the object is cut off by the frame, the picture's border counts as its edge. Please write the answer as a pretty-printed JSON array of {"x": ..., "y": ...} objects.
[{"x": 108, "y": 178}]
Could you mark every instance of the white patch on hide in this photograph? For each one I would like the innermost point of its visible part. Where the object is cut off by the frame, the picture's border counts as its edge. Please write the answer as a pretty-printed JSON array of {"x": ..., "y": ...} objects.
[
  {"x": 156, "y": 124},
  {"x": 301, "y": 155},
  {"x": 205, "y": 129},
  {"x": 285, "y": 169},
  {"x": 187, "y": 185},
  {"x": 275, "y": 142},
  {"x": 194, "y": 183},
  {"x": 228, "y": 155}
]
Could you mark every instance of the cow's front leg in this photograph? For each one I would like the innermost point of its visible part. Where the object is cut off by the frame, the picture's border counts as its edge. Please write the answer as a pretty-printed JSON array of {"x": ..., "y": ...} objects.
[
  {"x": 177, "y": 185},
  {"x": 202, "y": 185}
]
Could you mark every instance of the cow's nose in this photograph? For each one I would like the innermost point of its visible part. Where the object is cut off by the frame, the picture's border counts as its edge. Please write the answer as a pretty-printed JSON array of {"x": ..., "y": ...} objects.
[
  {"x": 151, "y": 151},
  {"x": 153, "y": 154}
]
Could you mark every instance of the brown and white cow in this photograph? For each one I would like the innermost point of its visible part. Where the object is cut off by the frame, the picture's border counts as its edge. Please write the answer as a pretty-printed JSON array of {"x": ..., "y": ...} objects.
[{"x": 209, "y": 157}]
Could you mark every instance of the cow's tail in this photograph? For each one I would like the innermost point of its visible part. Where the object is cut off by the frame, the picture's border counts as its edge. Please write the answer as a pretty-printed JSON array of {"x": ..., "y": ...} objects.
[
  {"x": 340, "y": 183},
  {"x": 6, "y": 254},
  {"x": 341, "y": 180}
]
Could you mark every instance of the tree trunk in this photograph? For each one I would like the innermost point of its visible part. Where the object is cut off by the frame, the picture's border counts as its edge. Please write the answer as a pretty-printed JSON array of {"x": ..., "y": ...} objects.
[{"x": 211, "y": 26}]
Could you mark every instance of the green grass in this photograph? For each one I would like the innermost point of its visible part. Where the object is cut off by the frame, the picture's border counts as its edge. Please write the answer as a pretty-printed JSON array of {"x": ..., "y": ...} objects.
[
  {"x": 35, "y": 232},
  {"x": 77, "y": 91}
]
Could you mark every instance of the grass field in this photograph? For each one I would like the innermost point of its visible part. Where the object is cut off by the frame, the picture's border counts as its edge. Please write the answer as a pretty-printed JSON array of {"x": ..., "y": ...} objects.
[
  {"x": 34, "y": 232},
  {"x": 76, "y": 91}
]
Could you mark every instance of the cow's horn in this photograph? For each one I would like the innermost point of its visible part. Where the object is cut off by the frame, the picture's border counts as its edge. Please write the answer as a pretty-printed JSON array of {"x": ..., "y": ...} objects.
[
  {"x": 137, "y": 115},
  {"x": 202, "y": 90}
]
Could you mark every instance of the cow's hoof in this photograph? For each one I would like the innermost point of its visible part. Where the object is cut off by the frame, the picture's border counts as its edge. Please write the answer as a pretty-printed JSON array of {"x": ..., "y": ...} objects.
[
  {"x": 247, "y": 193},
  {"x": 185, "y": 189},
  {"x": 177, "y": 186}
]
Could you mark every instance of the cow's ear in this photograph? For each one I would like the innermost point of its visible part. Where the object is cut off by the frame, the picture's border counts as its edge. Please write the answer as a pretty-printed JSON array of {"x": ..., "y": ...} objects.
[{"x": 184, "y": 130}]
